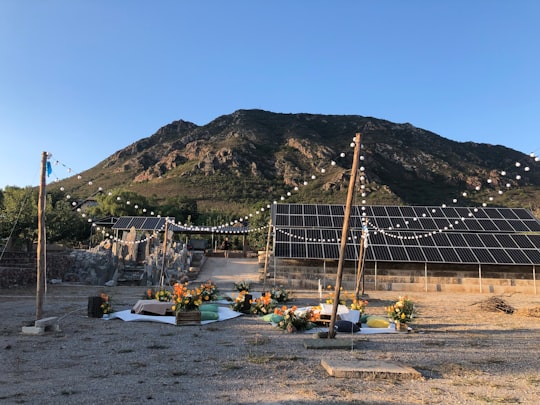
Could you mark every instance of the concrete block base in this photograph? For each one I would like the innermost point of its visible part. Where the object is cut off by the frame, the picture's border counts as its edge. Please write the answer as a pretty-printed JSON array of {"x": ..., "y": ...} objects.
[
  {"x": 369, "y": 369},
  {"x": 41, "y": 326}
]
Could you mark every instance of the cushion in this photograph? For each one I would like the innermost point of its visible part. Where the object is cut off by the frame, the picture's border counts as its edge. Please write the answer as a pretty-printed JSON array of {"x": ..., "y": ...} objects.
[
  {"x": 208, "y": 308},
  {"x": 364, "y": 318},
  {"x": 346, "y": 326},
  {"x": 267, "y": 317},
  {"x": 276, "y": 318},
  {"x": 209, "y": 316},
  {"x": 377, "y": 322}
]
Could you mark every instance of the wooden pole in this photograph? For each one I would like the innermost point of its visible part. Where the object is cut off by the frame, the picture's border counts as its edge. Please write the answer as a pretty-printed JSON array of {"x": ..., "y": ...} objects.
[
  {"x": 344, "y": 231},
  {"x": 162, "y": 277},
  {"x": 360, "y": 269},
  {"x": 266, "y": 253},
  {"x": 41, "y": 251}
]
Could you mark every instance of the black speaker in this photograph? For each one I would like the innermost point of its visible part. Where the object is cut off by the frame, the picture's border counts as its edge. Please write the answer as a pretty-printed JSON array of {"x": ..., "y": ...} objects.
[
  {"x": 247, "y": 304},
  {"x": 94, "y": 307}
]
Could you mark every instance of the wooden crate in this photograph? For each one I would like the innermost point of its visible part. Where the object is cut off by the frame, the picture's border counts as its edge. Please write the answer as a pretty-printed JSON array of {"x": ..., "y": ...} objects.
[{"x": 187, "y": 318}]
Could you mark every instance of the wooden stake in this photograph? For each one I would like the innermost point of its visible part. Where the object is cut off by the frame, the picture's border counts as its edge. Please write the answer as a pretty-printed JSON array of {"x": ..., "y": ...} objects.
[
  {"x": 41, "y": 251},
  {"x": 344, "y": 231}
]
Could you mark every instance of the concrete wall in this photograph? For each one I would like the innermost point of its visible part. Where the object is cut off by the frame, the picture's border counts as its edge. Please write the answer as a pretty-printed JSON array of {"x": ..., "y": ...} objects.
[{"x": 305, "y": 274}]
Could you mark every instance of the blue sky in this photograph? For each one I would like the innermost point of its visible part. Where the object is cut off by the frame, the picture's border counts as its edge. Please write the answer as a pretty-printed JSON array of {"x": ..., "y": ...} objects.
[{"x": 83, "y": 79}]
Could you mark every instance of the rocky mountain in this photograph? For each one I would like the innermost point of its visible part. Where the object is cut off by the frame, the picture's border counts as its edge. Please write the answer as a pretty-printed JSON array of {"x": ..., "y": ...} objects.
[{"x": 252, "y": 156}]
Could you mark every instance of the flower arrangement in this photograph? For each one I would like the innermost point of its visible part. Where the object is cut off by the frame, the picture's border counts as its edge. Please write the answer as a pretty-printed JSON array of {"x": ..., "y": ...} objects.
[
  {"x": 279, "y": 294},
  {"x": 402, "y": 310},
  {"x": 106, "y": 305},
  {"x": 263, "y": 305},
  {"x": 243, "y": 285},
  {"x": 344, "y": 298},
  {"x": 294, "y": 319},
  {"x": 209, "y": 291},
  {"x": 330, "y": 295},
  {"x": 161, "y": 295},
  {"x": 359, "y": 305},
  {"x": 186, "y": 299},
  {"x": 239, "y": 304}
]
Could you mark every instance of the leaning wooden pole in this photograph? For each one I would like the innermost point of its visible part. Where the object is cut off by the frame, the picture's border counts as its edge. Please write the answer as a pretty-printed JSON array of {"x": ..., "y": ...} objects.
[
  {"x": 41, "y": 251},
  {"x": 165, "y": 242},
  {"x": 266, "y": 252},
  {"x": 344, "y": 231},
  {"x": 360, "y": 269}
]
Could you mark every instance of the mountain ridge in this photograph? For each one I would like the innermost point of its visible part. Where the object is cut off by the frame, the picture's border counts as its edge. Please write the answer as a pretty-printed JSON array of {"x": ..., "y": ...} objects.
[{"x": 251, "y": 156}]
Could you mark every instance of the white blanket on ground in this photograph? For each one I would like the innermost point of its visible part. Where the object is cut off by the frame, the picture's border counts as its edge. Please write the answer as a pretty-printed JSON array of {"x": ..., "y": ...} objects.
[
  {"x": 224, "y": 314},
  {"x": 364, "y": 330}
]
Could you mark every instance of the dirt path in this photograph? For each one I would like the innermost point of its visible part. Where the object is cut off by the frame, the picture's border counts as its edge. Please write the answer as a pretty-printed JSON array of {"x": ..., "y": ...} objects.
[{"x": 225, "y": 272}]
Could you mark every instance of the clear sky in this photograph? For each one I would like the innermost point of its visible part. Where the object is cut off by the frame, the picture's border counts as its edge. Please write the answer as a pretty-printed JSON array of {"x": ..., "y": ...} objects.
[{"x": 83, "y": 79}]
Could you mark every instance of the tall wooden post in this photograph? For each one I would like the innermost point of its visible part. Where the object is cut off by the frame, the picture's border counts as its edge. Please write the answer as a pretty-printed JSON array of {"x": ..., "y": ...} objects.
[
  {"x": 344, "y": 231},
  {"x": 41, "y": 251},
  {"x": 266, "y": 254},
  {"x": 162, "y": 276},
  {"x": 360, "y": 269}
]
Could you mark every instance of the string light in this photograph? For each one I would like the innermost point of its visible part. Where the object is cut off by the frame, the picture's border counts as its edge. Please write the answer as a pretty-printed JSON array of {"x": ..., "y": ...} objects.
[{"x": 323, "y": 170}]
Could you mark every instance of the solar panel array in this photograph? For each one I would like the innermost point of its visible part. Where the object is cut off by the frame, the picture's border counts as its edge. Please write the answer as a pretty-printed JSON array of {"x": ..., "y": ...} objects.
[
  {"x": 158, "y": 224},
  {"x": 140, "y": 223},
  {"x": 458, "y": 235}
]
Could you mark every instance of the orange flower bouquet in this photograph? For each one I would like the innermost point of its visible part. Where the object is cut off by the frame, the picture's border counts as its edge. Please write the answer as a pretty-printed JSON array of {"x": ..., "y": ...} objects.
[
  {"x": 264, "y": 305},
  {"x": 295, "y": 319},
  {"x": 185, "y": 299}
]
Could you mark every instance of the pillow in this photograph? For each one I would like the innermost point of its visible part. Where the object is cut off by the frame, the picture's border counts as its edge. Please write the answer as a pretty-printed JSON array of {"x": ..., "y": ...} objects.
[
  {"x": 346, "y": 326},
  {"x": 377, "y": 322},
  {"x": 364, "y": 318},
  {"x": 209, "y": 316},
  {"x": 276, "y": 318},
  {"x": 267, "y": 317},
  {"x": 208, "y": 308}
]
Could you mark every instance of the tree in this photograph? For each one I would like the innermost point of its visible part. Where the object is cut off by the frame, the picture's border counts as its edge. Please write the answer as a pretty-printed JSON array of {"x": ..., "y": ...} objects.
[
  {"x": 183, "y": 209},
  {"x": 121, "y": 203},
  {"x": 18, "y": 216}
]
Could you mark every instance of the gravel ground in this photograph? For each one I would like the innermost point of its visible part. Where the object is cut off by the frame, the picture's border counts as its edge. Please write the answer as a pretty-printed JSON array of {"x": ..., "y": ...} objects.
[{"x": 466, "y": 354}]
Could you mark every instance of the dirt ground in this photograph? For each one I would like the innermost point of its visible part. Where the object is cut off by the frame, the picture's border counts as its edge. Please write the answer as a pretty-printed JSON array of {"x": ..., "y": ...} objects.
[{"x": 466, "y": 353}]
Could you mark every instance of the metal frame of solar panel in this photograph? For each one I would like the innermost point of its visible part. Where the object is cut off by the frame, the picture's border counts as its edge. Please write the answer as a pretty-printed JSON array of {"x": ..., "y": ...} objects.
[{"x": 459, "y": 235}]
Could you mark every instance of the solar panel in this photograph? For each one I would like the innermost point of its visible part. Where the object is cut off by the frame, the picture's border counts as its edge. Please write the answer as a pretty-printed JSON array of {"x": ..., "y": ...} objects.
[
  {"x": 140, "y": 223},
  {"x": 483, "y": 256},
  {"x": 501, "y": 257},
  {"x": 518, "y": 256},
  {"x": 432, "y": 254},
  {"x": 466, "y": 255},
  {"x": 416, "y": 254},
  {"x": 473, "y": 240},
  {"x": 412, "y": 233}
]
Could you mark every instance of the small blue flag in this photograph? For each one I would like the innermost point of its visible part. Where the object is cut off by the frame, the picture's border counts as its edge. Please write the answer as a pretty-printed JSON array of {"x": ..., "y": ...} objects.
[{"x": 49, "y": 169}]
